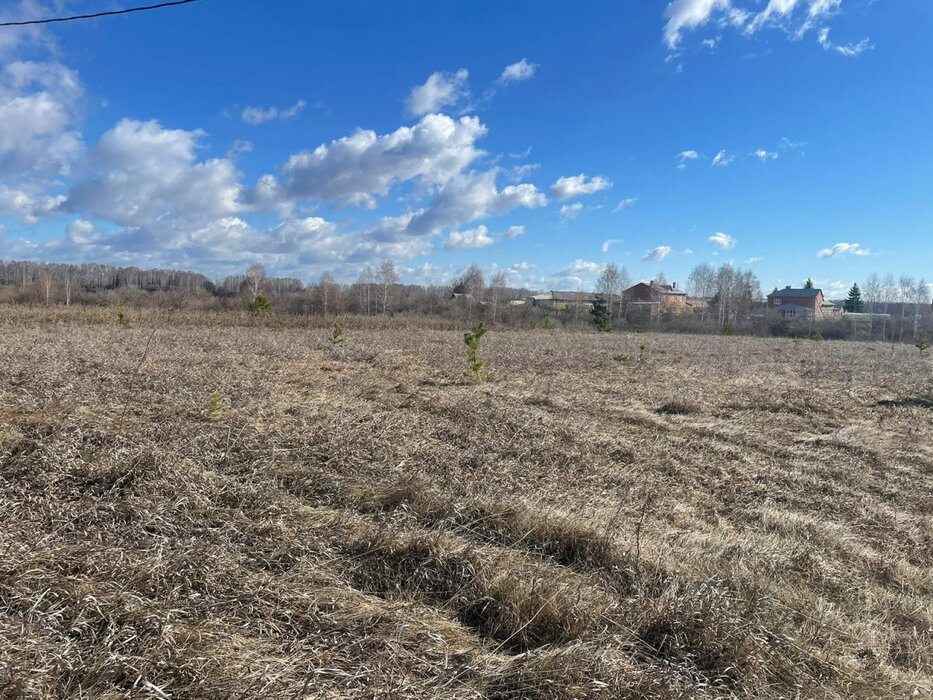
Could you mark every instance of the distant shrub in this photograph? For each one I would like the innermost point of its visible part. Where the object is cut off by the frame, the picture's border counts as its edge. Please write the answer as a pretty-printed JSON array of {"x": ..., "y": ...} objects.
[
  {"x": 620, "y": 357},
  {"x": 729, "y": 329},
  {"x": 122, "y": 319},
  {"x": 260, "y": 305},
  {"x": 922, "y": 342},
  {"x": 638, "y": 326},
  {"x": 797, "y": 341},
  {"x": 472, "y": 341},
  {"x": 818, "y": 336},
  {"x": 642, "y": 352}
]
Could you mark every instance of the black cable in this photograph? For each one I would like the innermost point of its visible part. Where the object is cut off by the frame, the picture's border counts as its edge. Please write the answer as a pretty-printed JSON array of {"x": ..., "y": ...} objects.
[{"x": 97, "y": 14}]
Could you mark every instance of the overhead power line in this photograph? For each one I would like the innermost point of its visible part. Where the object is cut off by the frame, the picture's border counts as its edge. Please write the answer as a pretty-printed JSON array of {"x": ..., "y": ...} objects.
[{"x": 96, "y": 14}]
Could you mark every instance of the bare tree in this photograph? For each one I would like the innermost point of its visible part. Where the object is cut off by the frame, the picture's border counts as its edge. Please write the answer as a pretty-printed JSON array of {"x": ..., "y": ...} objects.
[
  {"x": 46, "y": 280},
  {"x": 496, "y": 290},
  {"x": 365, "y": 283},
  {"x": 608, "y": 284},
  {"x": 386, "y": 277},
  {"x": 256, "y": 277},
  {"x": 701, "y": 283},
  {"x": 328, "y": 290},
  {"x": 905, "y": 287},
  {"x": 624, "y": 282},
  {"x": 872, "y": 292},
  {"x": 887, "y": 291},
  {"x": 921, "y": 294}
]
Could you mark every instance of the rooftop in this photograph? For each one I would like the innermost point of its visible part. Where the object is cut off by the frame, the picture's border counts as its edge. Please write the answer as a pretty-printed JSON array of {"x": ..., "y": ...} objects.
[{"x": 788, "y": 293}]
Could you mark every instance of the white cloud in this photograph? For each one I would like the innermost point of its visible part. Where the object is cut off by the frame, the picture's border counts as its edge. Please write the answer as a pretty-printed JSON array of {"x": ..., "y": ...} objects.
[
  {"x": 794, "y": 17},
  {"x": 841, "y": 249},
  {"x": 764, "y": 155},
  {"x": 609, "y": 243},
  {"x": 142, "y": 175},
  {"x": 522, "y": 70},
  {"x": 577, "y": 185},
  {"x": 684, "y": 156},
  {"x": 722, "y": 159},
  {"x": 258, "y": 115},
  {"x": 752, "y": 261},
  {"x": 359, "y": 168},
  {"x": 569, "y": 212},
  {"x": 659, "y": 253},
  {"x": 439, "y": 90},
  {"x": 514, "y": 232},
  {"x": 723, "y": 240},
  {"x": 623, "y": 204},
  {"x": 463, "y": 240},
  {"x": 848, "y": 50},
  {"x": 689, "y": 14}
]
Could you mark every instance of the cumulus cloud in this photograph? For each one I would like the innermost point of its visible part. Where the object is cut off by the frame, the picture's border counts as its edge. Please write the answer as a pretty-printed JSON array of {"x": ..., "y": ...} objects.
[
  {"x": 258, "y": 115},
  {"x": 624, "y": 204},
  {"x": 359, "y": 168},
  {"x": 439, "y": 90},
  {"x": 522, "y": 70},
  {"x": 841, "y": 249},
  {"x": 143, "y": 175},
  {"x": 464, "y": 240},
  {"x": 659, "y": 253},
  {"x": 578, "y": 185},
  {"x": 569, "y": 212},
  {"x": 723, "y": 240},
  {"x": 514, "y": 232}
]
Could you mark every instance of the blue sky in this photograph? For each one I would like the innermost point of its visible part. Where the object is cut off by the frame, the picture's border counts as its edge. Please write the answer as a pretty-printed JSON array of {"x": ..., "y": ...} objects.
[{"x": 791, "y": 136}]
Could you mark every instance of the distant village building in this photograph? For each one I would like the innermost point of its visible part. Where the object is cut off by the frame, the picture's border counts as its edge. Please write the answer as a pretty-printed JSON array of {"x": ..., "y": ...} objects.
[
  {"x": 665, "y": 297},
  {"x": 803, "y": 303},
  {"x": 563, "y": 300}
]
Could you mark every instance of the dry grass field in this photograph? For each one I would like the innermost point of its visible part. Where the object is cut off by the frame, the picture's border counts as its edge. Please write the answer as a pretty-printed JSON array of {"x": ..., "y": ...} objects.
[{"x": 724, "y": 517}]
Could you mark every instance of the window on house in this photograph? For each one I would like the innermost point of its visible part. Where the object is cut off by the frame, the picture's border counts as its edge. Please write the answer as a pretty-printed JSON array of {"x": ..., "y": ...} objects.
[{"x": 777, "y": 302}]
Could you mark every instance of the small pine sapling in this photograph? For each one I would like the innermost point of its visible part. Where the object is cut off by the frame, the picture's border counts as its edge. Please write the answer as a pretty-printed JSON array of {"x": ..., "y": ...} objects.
[
  {"x": 215, "y": 405},
  {"x": 122, "y": 319},
  {"x": 642, "y": 353},
  {"x": 337, "y": 337},
  {"x": 472, "y": 341},
  {"x": 922, "y": 342}
]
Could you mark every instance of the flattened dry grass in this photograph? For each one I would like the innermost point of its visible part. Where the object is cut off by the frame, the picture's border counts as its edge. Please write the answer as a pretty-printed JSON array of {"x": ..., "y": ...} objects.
[{"x": 357, "y": 522}]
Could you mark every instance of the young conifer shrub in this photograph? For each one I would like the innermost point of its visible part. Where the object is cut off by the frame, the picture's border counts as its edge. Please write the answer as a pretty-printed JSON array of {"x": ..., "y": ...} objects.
[
  {"x": 215, "y": 405},
  {"x": 259, "y": 306},
  {"x": 922, "y": 342},
  {"x": 337, "y": 337},
  {"x": 472, "y": 341},
  {"x": 601, "y": 318}
]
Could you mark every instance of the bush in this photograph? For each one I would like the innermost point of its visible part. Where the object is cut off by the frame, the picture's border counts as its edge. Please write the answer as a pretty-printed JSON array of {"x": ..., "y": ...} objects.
[
  {"x": 922, "y": 342},
  {"x": 260, "y": 305},
  {"x": 600, "y": 313},
  {"x": 729, "y": 329}
]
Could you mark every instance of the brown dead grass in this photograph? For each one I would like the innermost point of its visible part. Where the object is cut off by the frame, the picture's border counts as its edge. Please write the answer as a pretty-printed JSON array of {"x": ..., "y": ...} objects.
[{"x": 733, "y": 517}]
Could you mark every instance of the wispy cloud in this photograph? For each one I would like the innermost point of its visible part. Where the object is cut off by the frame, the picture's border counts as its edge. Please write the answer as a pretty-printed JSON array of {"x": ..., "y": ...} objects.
[
  {"x": 752, "y": 261},
  {"x": 722, "y": 159},
  {"x": 569, "y": 212},
  {"x": 609, "y": 243},
  {"x": 848, "y": 50},
  {"x": 764, "y": 155},
  {"x": 624, "y": 204},
  {"x": 841, "y": 249},
  {"x": 258, "y": 115}
]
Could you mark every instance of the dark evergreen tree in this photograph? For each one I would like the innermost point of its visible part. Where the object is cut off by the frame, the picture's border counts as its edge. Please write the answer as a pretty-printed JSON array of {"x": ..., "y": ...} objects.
[
  {"x": 808, "y": 284},
  {"x": 600, "y": 314},
  {"x": 853, "y": 303}
]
